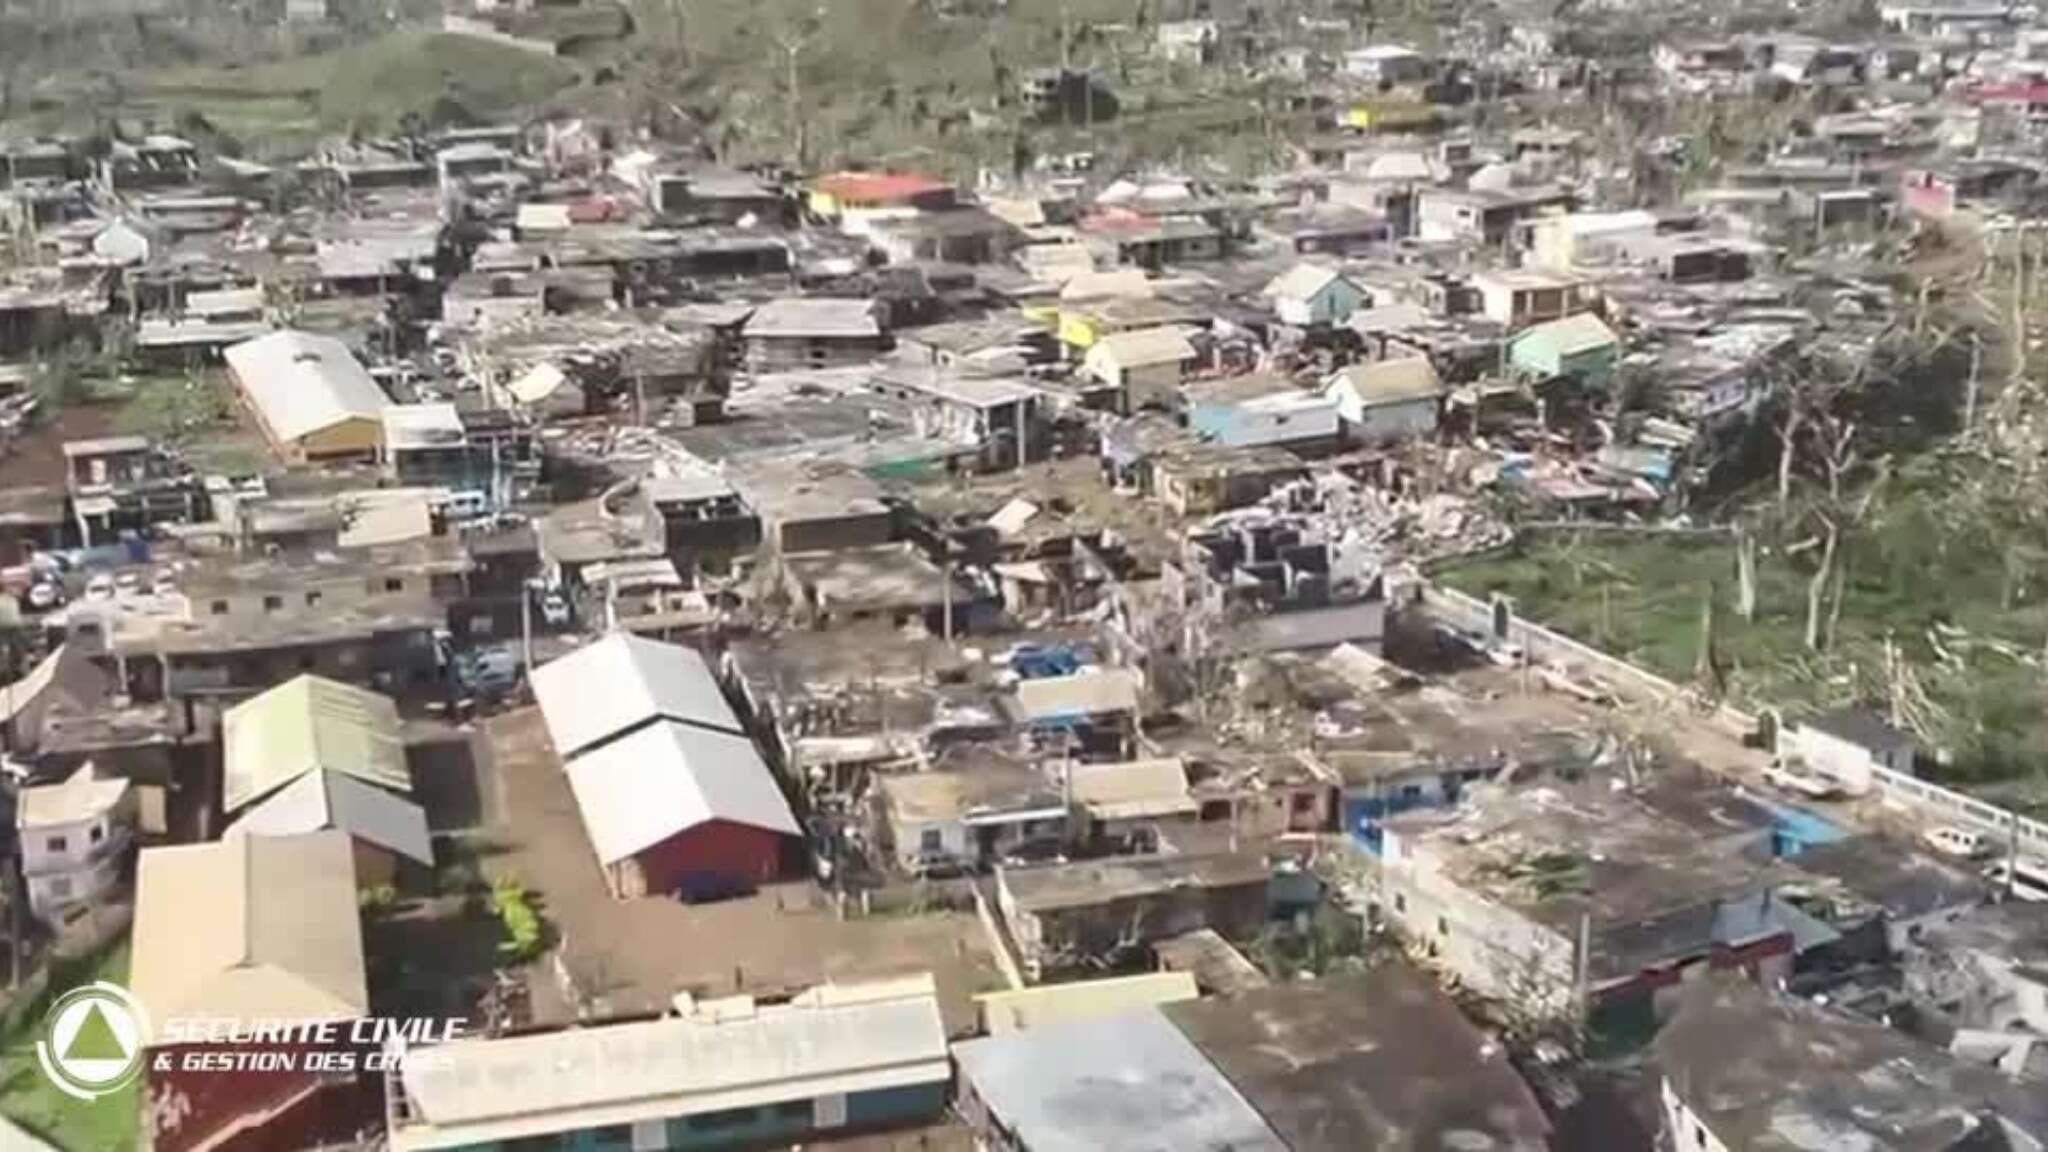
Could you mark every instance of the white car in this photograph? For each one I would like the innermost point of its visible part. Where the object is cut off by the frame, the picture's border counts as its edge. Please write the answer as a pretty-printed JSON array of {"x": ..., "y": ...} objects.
[
  {"x": 1789, "y": 779},
  {"x": 1960, "y": 843},
  {"x": 100, "y": 587}
]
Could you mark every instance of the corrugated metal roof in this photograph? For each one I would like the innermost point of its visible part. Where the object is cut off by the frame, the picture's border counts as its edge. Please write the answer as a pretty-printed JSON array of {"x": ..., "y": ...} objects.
[
  {"x": 1128, "y": 1081},
  {"x": 300, "y": 383},
  {"x": 667, "y": 778},
  {"x": 253, "y": 928},
  {"x": 320, "y": 800},
  {"x": 1136, "y": 790},
  {"x": 826, "y": 1042},
  {"x": 1393, "y": 381},
  {"x": 1302, "y": 282},
  {"x": 814, "y": 316},
  {"x": 1569, "y": 336},
  {"x": 1142, "y": 347},
  {"x": 307, "y": 725},
  {"x": 622, "y": 682}
]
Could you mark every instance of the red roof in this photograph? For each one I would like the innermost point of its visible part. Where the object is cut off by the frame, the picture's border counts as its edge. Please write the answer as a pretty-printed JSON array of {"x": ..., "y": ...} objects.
[
  {"x": 594, "y": 210},
  {"x": 879, "y": 187},
  {"x": 2025, "y": 93}
]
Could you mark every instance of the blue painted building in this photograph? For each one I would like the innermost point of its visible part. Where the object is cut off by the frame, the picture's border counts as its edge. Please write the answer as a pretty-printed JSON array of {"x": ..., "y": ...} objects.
[{"x": 719, "y": 1074}]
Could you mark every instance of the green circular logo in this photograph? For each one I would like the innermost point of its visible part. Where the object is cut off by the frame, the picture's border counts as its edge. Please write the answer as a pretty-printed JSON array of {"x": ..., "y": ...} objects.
[{"x": 92, "y": 1040}]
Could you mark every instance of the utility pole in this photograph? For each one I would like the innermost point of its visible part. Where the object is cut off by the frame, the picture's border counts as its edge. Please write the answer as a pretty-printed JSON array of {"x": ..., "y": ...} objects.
[{"x": 527, "y": 588}]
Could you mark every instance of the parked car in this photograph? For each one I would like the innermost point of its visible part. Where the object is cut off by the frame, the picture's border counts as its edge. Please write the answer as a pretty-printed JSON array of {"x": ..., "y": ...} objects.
[
  {"x": 100, "y": 587},
  {"x": 487, "y": 671},
  {"x": 1800, "y": 782},
  {"x": 1960, "y": 843}
]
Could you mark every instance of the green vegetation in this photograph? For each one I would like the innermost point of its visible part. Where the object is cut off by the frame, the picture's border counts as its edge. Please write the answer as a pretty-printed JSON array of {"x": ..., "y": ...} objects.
[
  {"x": 172, "y": 410},
  {"x": 281, "y": 106},
  {"x": 108, "y": 1124},
  {"x": 1948, "y": 612},
  {"x": 437, "y": 78}
]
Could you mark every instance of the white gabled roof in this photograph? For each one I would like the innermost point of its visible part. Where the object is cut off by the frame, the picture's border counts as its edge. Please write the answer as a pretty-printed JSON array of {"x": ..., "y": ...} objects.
[
  {"x": 670, "y": 777},
  {"x": 1143, "y": 347},
  {"x": 322, "y": 800},
  {"x": 250, "y": 928},
  {"x": 620, "y": 683},
  {"x": 1302, "y": 282},
  {"x": 80, "y": 797},
  {"x": 300, "y": 383}
]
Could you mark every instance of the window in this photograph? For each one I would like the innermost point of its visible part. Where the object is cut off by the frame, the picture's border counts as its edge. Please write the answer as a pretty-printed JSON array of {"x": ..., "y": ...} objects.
[
  {"x": 1699, "y": 1135},
  {"x": 931, "y": 840},
  {"x": 1400, "y": 903},
  {"x": 56, "y": 844},
  {"x": 1443, "y": 926},
  {"x": 313, "y": 598},
  {"x": 394, "y": 584},
  {"x": 799, "y": 1111},
  {"x": 273, "y": 603},
  {"x": 724, "y": 1118},
  {"x": 218, "y": 608},
  {"x": 98, "y": 834}
]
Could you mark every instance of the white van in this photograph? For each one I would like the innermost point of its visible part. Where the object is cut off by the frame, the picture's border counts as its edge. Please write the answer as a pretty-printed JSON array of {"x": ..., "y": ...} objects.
[{"x": 1960, "y": 843}]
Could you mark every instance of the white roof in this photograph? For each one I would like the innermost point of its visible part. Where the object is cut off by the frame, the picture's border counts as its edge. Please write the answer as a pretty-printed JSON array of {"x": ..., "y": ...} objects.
[
  {"x": 667, "y": 778},
  {"x": 1393, "y": 381},
  {"x": 81, "y": 797},
  {"x": 1117, "y": 282},
  {"x": 719, "y": 1054},
  {"x": 1602, "y": 223},
  {"x": 622, "y": 682},
  {"x": 537, "y": 384},
  {"x": 422, "y": 425},
  {"x": 253, "y": 928},
  {"x": 1302, "y": 281},
  {"x": 1092, "y": 691},
  {"x": 301, "y": 383},
  {"x": 1135, "y": 790},
  {"x": 1381, "y": 52},
  {"x": 1400, "y": 166},
  {"x": 543, "y": 217},
  {"x": 818, "y": 316},
  {"x": 1142, "y": 347},
  {"x": 321, "y": 800},
  {"x": 224, "y": 301}
]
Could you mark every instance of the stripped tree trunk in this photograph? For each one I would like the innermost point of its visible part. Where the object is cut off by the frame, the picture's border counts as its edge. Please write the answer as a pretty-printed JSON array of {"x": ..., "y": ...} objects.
[
  {"x": 1816, "y": 588},
  {"x": 1745, "y": 574}
]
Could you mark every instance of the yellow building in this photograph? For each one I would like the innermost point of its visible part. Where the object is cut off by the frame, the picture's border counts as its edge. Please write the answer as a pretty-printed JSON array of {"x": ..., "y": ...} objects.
[{"x": 1389, "y": 115}]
